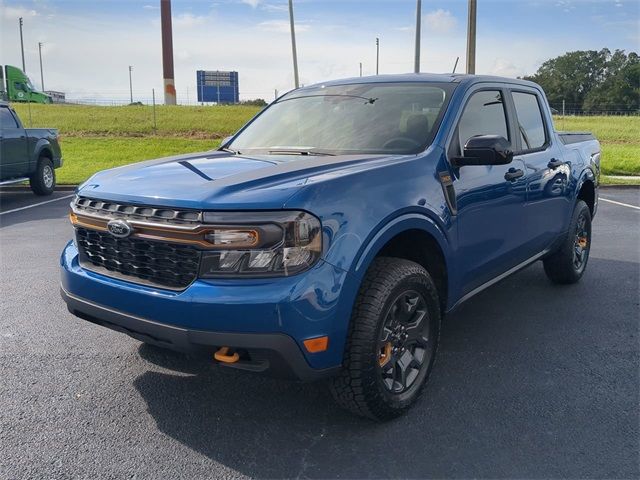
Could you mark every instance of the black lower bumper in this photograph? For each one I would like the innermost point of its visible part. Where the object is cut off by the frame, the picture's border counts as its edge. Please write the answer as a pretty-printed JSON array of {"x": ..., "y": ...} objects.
[{"x": 273, "y": 353}]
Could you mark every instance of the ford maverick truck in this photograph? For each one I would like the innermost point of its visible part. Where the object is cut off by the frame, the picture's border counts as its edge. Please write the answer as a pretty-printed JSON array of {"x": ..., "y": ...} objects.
[
  {"x": 332, "y": 233},
  {"x": 30, "y": 154}
]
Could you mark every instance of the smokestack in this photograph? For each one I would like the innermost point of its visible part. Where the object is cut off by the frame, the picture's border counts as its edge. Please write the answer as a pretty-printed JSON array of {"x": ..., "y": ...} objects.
[{"x": 167, "y": 53}]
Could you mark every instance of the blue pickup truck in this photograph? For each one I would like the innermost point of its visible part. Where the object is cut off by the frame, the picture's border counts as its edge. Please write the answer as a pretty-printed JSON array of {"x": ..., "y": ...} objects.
[{"x": 332, "y": 233}]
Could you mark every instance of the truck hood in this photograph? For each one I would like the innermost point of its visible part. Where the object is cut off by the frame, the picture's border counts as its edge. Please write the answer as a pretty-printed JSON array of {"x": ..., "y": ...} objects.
[{"x": 218, "y": 180}]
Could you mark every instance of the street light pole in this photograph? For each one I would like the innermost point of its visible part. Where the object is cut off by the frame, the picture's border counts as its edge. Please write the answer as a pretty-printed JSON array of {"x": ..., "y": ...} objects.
[
  {"x": 377, "y": 55},
  {"x": 293, "y": 46},
  {"x": 416, "y": 67},
  {"x": 130, "y": 84},
  {"x": 360, "y": 68},
  {"x": 41, "y": 73},
  {"x": 471, "y": 38},
  {"x": 24, "y": 68}
]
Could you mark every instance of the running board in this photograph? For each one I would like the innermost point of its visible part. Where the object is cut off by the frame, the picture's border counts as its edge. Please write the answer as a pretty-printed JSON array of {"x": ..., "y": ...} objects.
[{"x": 14, "y": 180}]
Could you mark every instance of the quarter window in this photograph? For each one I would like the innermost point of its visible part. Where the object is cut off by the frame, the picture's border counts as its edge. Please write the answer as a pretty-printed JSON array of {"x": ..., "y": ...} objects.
[
  {"x": 484, "y": 114},
  {"x": 530, "y": 121},
  {"x": 6, "y": 119}
]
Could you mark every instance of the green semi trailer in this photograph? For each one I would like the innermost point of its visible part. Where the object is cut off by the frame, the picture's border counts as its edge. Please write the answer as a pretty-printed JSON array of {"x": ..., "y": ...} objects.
[{"x": 15, "y": 86}]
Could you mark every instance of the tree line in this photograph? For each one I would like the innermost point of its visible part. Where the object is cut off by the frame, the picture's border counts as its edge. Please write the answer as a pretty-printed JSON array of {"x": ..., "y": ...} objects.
[{"x": 590, "y": 81}]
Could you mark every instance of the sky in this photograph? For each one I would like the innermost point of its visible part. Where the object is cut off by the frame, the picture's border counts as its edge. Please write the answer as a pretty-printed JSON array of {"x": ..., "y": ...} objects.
[{"x": 89, "y": 44}]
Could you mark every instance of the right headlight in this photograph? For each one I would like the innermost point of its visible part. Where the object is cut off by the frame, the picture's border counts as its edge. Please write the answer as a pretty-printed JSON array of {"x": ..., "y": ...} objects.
[{"x": 260, "y": 244}]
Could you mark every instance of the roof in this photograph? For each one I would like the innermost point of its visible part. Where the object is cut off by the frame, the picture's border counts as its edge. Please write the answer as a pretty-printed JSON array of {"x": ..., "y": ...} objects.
[{"x": 427, "y": 78}]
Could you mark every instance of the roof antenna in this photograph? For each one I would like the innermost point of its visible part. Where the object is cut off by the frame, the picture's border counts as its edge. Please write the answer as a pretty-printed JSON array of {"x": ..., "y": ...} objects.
[{"x": 455, "y": 66}]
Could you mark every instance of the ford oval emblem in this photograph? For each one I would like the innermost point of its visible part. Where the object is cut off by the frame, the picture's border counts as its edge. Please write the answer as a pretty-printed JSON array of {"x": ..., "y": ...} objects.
[{"x": 119, "y": 228}]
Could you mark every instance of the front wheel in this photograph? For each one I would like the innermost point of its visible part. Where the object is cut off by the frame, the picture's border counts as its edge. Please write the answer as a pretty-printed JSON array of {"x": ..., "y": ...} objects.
[
  {"x": 391, "y": 348},
  {"x": 43, "y": 181},
  {"x": 568, "y": 263}
]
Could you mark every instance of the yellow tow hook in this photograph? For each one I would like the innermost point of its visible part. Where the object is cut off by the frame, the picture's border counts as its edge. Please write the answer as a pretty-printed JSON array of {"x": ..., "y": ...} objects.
[{"x": 223, "y": 355}]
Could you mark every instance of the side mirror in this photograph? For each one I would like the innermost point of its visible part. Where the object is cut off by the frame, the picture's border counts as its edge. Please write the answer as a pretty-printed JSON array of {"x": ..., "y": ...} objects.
[{"x": 486, "y": 150}]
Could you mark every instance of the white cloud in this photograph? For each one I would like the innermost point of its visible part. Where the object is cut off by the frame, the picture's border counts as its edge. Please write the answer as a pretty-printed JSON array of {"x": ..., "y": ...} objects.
[
  {"x": 188, "y": 20},
  {"x": 441, "y": 21},
  {"x": 13, "y": 13},
  {"x": 251, "y": 3},
  {"x": 282, "y": 26},
  {"x": 150, "y": 7}
]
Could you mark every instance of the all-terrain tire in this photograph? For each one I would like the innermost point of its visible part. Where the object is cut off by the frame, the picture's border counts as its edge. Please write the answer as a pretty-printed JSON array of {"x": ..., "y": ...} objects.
[
  {"x": 567, "y": 264},
  {"x": 360, "y": 386},
  {"x": 43, "y": 181}
]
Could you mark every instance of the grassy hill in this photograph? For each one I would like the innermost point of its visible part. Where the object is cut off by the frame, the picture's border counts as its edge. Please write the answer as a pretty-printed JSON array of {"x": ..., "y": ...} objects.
[{"x": 95, "y": 138}]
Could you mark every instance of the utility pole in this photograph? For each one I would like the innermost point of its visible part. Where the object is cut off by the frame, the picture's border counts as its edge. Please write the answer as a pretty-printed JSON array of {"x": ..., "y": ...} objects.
[
  {"x": 130, "y": 84},
  {"x": 471, "y": 38},
  {"x": 416, "y": 65},
  {"x": 360, "y": 68},
  {"x": 377, "y": 55},
  {"x": 41, "y": 74},
  {"x": 293, "y": 46},
  {"x": 167, "y": 53},
  {"x": 24, "y": 68}
]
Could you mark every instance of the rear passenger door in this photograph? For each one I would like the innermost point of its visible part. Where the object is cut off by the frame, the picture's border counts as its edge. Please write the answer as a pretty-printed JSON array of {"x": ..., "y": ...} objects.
[
  {"x": 14, "y": 158},
  {"x": 548, "y": 195},
  {"x": 489, "y": 199}
]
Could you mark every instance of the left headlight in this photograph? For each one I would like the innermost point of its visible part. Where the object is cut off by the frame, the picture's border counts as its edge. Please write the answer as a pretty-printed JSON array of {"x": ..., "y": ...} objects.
[{"x": 260, "y": 244}]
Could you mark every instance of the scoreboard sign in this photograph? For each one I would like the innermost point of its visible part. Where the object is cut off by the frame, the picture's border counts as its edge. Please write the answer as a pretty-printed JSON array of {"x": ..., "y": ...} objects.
[{"x": 217, "y": 86}]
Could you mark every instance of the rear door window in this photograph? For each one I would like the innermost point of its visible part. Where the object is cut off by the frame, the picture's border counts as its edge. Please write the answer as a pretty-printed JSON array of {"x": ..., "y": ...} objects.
[{"x": 530, "y": 122}]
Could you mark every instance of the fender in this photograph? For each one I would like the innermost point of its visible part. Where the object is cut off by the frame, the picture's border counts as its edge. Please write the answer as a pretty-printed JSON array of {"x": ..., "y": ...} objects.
[
  {"x": 408, "y": 221},
  {"x": 588, "y": 175},
  {"x": 41, "y": 145}
]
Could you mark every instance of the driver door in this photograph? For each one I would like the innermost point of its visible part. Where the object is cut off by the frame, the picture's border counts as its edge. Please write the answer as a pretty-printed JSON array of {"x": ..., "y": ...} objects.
[{"x": 490, "y": 198}]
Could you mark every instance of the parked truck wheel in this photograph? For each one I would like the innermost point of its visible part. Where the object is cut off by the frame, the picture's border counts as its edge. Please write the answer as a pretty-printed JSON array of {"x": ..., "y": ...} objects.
[
  {"x": 392, "y": 343},
  {"x": 43, "y": 181},
  {"x": 569, "y": 262}
]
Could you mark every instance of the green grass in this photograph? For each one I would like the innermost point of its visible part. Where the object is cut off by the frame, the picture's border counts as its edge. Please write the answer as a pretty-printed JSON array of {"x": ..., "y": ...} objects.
[
  {"x": 83, "y": 120},
  {"x": 84, "y": 156},
  {"x": 619, "y": 137},
  {"x": 95, "y": 138}
]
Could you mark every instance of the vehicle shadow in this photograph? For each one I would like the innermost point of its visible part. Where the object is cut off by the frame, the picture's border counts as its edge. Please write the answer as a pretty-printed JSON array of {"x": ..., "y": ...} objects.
[{"x": 530, "y": 376}]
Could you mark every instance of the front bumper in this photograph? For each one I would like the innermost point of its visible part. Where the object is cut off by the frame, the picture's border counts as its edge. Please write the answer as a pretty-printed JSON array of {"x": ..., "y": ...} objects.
[
  {"x": 276, "y": 353},
  {"x": 268, "y": 318}
]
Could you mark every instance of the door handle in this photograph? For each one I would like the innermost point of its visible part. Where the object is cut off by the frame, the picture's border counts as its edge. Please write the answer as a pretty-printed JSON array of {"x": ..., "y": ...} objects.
[
  {"x": 513, "y": 174},
  {"x": 554, "y": 163}
]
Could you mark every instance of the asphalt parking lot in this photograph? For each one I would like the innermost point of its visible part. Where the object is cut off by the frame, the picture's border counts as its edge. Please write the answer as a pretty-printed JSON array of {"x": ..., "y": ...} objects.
[{"x": 532, "y": 381}]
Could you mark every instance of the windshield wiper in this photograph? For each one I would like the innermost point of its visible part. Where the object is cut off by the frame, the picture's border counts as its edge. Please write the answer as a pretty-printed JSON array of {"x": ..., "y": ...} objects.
[
  {"x": 230, "y": 150},
  {"x": 293, "y": 151}
]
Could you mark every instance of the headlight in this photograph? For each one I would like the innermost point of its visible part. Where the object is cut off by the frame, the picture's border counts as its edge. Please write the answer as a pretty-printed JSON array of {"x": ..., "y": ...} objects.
[{"x": 263, "y": 244}]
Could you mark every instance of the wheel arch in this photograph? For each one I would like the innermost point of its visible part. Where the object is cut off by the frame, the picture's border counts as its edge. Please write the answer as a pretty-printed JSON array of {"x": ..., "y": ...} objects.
[
  {"x": 414, "y": 237},
  {"x": 586, "y": 190}
]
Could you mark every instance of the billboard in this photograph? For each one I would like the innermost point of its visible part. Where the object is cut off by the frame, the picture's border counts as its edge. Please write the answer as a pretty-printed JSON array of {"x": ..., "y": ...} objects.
[{"x": 217, "y": 86}]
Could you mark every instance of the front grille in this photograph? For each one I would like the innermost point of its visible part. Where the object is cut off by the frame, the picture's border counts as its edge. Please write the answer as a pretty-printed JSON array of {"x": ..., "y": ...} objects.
[
  {"x": 103, "y": 208},
  {"x": 166, "y": 265}
]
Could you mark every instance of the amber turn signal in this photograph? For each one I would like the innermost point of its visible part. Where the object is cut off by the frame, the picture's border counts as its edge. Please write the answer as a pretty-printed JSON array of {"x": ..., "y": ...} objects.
[{"x": 315, "y": 345}]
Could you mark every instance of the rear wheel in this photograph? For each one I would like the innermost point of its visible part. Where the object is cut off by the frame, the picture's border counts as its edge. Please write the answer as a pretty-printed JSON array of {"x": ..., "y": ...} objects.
[
  {"x": 392, "y": 343},
  {"x": 43, "y": 181},
  {"x": 568, "y": 263}
]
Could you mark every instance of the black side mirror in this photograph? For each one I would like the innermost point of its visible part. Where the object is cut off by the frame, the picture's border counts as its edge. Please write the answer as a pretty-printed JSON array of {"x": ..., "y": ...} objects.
[{"x": 485, "y": 150}]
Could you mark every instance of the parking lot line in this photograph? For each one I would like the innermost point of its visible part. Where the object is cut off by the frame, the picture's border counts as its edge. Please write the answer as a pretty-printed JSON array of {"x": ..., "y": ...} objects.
[
  {"x": 620, "y": 203},
  {"x": 36, "y": 204}
]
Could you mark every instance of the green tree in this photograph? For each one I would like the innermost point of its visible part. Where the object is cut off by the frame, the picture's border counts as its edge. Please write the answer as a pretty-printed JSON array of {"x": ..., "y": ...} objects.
[{"x": 590, "y": 80}]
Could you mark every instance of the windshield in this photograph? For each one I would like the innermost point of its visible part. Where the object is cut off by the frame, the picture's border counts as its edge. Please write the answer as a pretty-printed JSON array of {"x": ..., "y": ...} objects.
[{"x": 398, "y": 118}]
